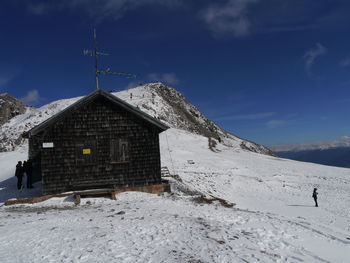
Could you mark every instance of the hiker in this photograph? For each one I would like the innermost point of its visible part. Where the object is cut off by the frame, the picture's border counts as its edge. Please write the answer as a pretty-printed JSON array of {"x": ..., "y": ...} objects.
[
  {"x": 29, "y": 171},
  {"x": 314, "y": 195},
  {"x": 25, "y": 170},
  {"x": 19, "y": 174}
]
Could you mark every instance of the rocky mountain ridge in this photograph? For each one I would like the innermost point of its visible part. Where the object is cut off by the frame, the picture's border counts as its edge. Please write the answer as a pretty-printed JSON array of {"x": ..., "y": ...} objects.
[
  {"x": 156, "y": 99},
  {"x": 10, "y": 107}
]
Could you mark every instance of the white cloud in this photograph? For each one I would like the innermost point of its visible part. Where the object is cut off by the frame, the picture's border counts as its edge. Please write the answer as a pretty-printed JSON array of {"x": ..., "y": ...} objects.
[
  {"x": 169, "y": 78},
  {"x": 224, "y": 17},
  {"x": 133, "y": 84},
  {"x": 4, "y": 80},
  {"x": 98, "y": 9},
  {"x": 255, "y": 116},
  {"x": 275, "y": 123},
  {"x": 39, "y": 8},
  {"x": 32, "y": 98},
  {"x": 229, "y": 18},
  {"x": 345, "y": 62},
  {"x": 312, "y": 54},
  {"x": 344, "y": 141}
]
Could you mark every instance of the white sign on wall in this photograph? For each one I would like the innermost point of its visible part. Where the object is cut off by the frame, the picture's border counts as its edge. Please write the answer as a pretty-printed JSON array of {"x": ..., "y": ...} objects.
[{"x": 47, "y": 144}]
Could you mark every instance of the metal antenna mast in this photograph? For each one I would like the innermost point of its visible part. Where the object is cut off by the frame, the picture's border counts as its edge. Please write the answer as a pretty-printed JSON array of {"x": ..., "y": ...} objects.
[{"x": 96, "y": 54}]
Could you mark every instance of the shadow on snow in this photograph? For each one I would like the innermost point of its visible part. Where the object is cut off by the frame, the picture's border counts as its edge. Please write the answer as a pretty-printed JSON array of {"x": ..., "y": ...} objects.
[{"x": 8, "y": 190}]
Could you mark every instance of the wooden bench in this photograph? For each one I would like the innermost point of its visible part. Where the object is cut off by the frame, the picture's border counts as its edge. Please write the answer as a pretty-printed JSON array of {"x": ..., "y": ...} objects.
[
  {"x": 158, "y": 189},
  {"x": 94, "y": 193}
]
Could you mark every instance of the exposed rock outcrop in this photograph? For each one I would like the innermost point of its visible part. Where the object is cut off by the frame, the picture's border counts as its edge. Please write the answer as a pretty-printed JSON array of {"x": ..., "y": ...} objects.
[{"x": 10, "y": 107}]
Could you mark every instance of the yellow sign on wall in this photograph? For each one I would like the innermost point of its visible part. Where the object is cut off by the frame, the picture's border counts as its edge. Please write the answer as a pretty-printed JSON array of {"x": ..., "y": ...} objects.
[{"x": 86, "y": 151}]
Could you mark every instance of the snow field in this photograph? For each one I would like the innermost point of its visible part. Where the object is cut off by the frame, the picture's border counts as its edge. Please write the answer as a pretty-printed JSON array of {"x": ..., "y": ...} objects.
[
  {"x": 281, "y": 189},
  {"x": 274, "y": 219},
  {"x": 140, "y": 227}
]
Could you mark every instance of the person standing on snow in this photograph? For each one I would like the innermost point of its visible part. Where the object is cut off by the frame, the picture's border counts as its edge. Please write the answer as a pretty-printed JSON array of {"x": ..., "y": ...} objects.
[
  {"x": 314, "y": 195},
  {"x": 29, "y": 172},
  {"x": 19, "y": 174}
]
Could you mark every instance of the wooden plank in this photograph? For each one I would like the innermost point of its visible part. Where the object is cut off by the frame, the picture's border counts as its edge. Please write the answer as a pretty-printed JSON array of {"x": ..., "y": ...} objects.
[
  {"x": 153, "y": 189},
  {"x": 77, "y": 199},
  {"x": 33, "y": 200}
]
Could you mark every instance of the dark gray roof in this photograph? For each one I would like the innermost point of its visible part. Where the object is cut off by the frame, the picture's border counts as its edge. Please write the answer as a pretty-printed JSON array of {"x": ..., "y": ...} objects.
[{"x": 87, "y": 99}]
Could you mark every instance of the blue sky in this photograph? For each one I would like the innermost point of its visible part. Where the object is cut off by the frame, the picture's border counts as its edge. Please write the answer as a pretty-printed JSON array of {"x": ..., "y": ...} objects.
[{"x": 272, "y": 71}]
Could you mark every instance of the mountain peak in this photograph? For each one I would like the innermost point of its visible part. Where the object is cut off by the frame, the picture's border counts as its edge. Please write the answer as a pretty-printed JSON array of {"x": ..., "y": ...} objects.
[{"x": 170, "y": 106}]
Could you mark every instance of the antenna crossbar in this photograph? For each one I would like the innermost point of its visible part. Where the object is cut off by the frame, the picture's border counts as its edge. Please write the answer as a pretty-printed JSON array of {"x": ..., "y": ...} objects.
[
  {"x": 92, "y": 53},
  {"x": 122, "y": 74}
]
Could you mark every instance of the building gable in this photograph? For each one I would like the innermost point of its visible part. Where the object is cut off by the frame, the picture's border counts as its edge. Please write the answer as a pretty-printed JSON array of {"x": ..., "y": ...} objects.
[{"x": 90, "y": 99}]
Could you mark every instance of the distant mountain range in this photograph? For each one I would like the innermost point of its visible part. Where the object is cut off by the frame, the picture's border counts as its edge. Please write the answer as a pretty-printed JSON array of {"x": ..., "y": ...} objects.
[{"x": 334, "y": 156}]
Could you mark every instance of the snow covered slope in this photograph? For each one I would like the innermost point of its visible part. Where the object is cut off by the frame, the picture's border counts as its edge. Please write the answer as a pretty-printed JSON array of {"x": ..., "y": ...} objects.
[
  {"x": 11, "y": 131},
  {"x": 156, "y": 99},
  {"x": 274, "y": 219}
]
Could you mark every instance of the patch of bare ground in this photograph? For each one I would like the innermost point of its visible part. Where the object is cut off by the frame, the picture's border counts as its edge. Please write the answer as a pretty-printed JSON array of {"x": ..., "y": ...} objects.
[{"x": 203, "y": 199}]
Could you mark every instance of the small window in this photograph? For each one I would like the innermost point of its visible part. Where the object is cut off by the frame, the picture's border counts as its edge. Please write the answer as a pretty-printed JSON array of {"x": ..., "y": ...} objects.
[
  {"x": 119, "y": 151},
  {"x": 85, "y": 152}
]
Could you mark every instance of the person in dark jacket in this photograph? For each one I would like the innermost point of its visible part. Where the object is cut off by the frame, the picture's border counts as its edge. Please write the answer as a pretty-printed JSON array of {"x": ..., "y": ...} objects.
[
  {"x": 24, "y": 167},
  {"x": 29, "y": 171},
  {"x": 19, "y": 174},
  {"x": 314, "y": 195}
]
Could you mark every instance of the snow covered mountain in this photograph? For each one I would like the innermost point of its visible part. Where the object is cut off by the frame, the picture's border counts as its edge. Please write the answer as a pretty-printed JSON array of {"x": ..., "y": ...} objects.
[
  {"x": 156, "y": 99},
  {"x": 227, "y": 204},
  {"x": 274, "y": 219}
]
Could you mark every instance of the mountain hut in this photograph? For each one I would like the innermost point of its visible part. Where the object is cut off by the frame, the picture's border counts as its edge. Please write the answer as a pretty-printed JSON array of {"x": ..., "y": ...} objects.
[{"x": 98, "y": 142}]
